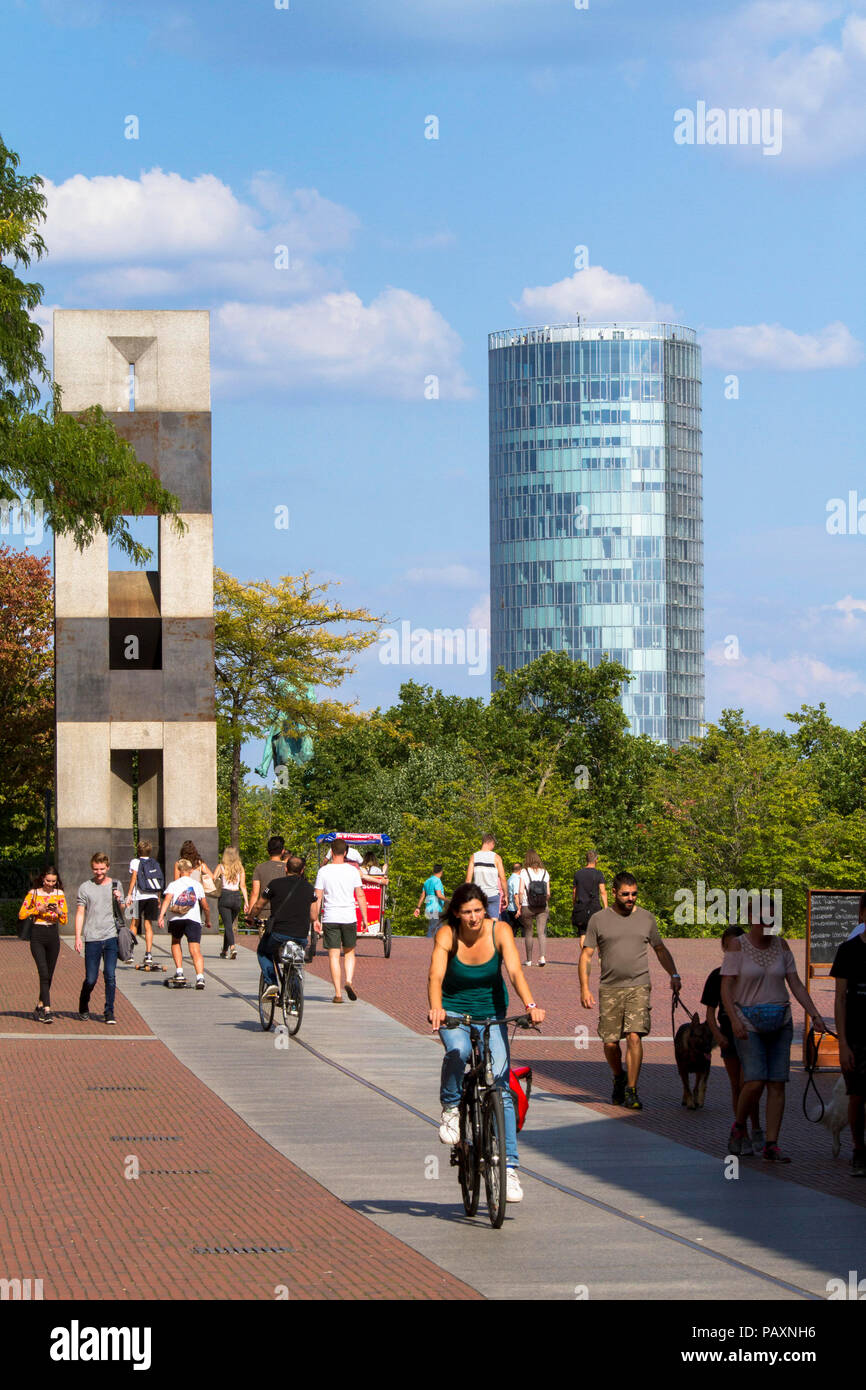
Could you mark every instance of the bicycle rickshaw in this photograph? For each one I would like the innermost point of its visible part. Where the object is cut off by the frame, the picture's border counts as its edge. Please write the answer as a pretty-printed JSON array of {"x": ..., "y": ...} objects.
[{"x": 378, "y": 906}]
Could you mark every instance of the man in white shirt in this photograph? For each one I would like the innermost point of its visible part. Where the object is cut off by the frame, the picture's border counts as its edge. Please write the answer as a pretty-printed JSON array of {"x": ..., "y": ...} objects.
[
  {"x": 486, "y": 870},
  {"x": 184, "y": 902},
  {"x": 338, "y": 888}
]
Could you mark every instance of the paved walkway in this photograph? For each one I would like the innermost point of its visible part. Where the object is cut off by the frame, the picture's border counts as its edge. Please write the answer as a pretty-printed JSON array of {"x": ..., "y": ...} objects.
[
  {"x": 610, "y": 1208},
  {"x": 234, "y": 1164}
]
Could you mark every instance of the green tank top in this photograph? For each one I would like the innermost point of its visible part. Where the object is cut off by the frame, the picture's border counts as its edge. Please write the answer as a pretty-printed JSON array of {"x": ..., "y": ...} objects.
[{"x": 476, "y": 990}]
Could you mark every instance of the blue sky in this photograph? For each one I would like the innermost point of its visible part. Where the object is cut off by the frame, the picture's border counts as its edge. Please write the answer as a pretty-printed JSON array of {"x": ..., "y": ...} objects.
[{"x": 304, "y": 127}]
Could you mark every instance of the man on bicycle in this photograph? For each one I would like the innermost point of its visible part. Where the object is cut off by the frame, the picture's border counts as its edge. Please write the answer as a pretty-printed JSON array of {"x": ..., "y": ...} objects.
[
  {"x": 469, "y": 951},
  {"x": 293, "y": 910}
]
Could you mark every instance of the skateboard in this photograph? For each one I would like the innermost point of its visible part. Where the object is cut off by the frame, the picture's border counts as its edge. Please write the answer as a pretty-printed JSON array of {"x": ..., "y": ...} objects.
[
  {"x": 151, "y": 966},
  {"x": 176, "y": 984}
]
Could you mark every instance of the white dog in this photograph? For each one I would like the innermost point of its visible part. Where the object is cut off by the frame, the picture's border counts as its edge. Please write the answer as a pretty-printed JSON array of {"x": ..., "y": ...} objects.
[{"x": 835, "y": 1115}]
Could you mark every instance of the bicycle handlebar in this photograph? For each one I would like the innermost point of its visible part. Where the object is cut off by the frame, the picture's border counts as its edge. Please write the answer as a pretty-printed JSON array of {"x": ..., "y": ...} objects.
[{"x": 452, "y": 1021}]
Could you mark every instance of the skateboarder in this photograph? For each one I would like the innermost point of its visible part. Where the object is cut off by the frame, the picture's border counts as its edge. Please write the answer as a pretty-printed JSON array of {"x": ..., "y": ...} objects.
[{"x": 184, "y": 902}]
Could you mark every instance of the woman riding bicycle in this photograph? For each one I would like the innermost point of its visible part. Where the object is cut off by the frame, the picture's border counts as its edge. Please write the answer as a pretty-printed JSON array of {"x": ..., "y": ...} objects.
[{"x": 469, "y": 951}]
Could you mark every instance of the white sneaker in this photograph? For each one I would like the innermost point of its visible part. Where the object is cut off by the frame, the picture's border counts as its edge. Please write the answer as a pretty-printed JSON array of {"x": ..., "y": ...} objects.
[
  {"x": 542, "y": 961},
  {"x": 449, "y": 1129},
  {"x": 513, "y": 1190},
  {"x": 271, "y": 992}
]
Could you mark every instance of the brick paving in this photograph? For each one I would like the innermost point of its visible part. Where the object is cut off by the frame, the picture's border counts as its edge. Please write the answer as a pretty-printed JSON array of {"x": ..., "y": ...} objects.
[
  {"x": 398, "y": 986},
  {"x": 207, "y": 1182}
]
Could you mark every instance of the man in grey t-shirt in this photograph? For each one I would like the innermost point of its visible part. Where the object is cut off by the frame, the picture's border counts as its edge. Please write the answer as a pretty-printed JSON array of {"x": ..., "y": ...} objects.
[
  {"x": 96, "y": 928},
  {"x": 622, "y": 934}
]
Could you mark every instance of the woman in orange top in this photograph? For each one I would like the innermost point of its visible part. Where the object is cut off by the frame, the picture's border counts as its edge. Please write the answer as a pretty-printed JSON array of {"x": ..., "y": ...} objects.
[{"x": 45, "y": 907}]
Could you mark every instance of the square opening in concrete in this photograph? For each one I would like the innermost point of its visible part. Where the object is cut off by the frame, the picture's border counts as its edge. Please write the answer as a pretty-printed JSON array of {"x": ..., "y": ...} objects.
[{"x": 144, "y": 530}]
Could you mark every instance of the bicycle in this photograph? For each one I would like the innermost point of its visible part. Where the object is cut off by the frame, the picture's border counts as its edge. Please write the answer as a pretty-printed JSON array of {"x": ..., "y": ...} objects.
[
  {"x": 289, "y": 968},
  {"x": 481, "y": 1147}
]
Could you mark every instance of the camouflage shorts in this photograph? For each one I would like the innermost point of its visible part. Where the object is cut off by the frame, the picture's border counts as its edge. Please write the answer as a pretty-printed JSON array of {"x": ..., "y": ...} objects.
[{"x": 622, "y": 1011}]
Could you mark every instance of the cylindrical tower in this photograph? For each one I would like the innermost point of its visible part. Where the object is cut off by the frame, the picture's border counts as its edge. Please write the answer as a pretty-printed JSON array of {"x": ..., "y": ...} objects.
[{"x": 595, "y": 509}]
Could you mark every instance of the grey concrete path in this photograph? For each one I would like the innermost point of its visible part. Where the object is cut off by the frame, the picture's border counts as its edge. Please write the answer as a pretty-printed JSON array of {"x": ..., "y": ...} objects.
[{"x": 609, "y": 1211}]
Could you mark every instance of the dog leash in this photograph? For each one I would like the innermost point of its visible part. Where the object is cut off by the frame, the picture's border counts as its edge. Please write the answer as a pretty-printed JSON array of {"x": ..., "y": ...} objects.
[
  {"x": 813, "y": 1042},
  {"x": 675, "y": 999}
]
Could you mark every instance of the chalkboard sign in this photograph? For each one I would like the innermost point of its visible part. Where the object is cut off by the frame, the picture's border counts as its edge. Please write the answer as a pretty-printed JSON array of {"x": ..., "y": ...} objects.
[{"x": 833, "y": 915}]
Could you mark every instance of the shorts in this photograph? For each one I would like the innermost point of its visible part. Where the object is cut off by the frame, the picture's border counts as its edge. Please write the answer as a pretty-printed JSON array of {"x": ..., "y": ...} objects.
[
  {"x": 855, "y": 1081},
  {"x": 337, "y": 934},
  {"x": 146, "y": 909},
  {"x": 179, "y": 926},
  {"x": 766, "y": 1056},
  {"x": 623, "y": 1009}
]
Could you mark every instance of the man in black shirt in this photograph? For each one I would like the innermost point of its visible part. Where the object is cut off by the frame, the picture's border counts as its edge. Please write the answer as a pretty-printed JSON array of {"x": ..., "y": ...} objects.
[
  {"x": 294, "y": 909},
  {"x": 588, "y": 895},
  {"x": 849, "y": 972}
]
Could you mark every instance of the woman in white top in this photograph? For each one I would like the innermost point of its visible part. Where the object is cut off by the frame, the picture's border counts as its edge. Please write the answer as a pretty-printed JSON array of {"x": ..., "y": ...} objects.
[
  {"x": 533, "y": 903},
  {"x": 231, "y": 874}
]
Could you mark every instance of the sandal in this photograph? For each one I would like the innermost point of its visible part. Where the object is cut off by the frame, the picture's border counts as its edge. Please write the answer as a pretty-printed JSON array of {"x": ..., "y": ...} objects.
[
  {"x": 233, "y": 953},
  {"x": 337, "y": 999}
]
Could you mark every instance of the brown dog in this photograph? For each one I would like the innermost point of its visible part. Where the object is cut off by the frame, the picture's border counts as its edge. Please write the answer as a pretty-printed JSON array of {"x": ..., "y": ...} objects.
[{"x": 693, "y": 1045}]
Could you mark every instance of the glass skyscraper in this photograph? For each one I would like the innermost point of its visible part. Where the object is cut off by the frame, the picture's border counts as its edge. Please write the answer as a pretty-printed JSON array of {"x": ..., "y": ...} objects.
[{"x": 595, "y": 509}]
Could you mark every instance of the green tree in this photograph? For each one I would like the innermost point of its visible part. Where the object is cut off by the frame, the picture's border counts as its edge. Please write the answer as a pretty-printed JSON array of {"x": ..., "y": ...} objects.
[
  {"x": 556, "y": 714},
  {"x": 836, "y": 758},
  {"x": 271, "y": 639},
  {"x": 26, "y": 699},
  {"x": 86, "y": 477}
]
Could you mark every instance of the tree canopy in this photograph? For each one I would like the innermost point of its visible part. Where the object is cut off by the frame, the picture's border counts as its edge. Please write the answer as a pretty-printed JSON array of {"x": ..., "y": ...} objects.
[{"x": 84, "y": 475}]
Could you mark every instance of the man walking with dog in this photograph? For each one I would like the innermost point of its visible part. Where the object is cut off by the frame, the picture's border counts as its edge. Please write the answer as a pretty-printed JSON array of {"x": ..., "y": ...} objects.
[{"x": 621, "y": 934}]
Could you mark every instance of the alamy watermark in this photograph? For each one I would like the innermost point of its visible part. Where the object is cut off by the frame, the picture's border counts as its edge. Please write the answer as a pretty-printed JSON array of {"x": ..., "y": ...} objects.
[
  {"x": 846, "y": 518},
  {"x": 441, "y": 646},
  {"x": 23, "y": 517},
  {"x": 737, "y": 126},
  {"x": 718, "y": 907}
]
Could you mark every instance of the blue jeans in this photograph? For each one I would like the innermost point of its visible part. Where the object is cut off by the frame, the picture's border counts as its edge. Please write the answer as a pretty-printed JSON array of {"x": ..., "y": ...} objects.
[
  {"x": 458, "y": 1050},
  {"x": 272, "y": 943},
  {"x": 494, "y": 902},
  {"x": 434, "y": 922},
  {"x": 94, "y": 952}
]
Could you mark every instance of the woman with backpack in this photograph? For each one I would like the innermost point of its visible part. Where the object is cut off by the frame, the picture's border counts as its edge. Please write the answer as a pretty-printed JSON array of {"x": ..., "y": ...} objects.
[
  {"x": 533, "y": 903},
  {"x": 145, "y": 889},
  {"x": 45, "y": 910},
  {"x": 230, "y": 871}
]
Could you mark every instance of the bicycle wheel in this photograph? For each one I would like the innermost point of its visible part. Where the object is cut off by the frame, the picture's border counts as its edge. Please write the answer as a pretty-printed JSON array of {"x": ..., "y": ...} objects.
[
  {"x": 386, "y": 941},
  {"x": 266, "y": 1006},
  {"x": 470, "y": 1173},
  {"x": 292, "y": 1000},
  {"x": 493, "y": 1156}
]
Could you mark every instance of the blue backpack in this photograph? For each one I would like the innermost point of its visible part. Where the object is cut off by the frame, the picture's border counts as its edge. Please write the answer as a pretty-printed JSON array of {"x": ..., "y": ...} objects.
[{"x": 150, "y": 877}]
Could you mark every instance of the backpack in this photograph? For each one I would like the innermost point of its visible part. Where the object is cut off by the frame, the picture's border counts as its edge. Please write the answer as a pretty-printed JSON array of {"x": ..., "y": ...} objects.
[
  {"x": 184, "y": 902},
  {"x": 536, "y": 894},
  {"x": 150, "y": 877},
  {"x": 126, "y": 943}
]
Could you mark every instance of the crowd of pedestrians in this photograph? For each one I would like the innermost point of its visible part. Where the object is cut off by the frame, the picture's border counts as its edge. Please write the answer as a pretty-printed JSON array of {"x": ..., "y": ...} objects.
[{"x": 747, "y": 997}]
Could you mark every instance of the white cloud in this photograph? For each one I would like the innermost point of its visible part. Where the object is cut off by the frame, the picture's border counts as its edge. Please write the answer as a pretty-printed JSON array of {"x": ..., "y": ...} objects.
[
  {"x": 774, "y": 686},
  {"x": 796, "y": 56},
  {"x": 385, "y": 348},
  {"x": 162, "y": 235},
  {"x": 594, "y": 293},
  {"x": 445, "y": 577},
  {"x": 479, "y": 614},
  {"x": 848, "y": 606},
  {"x": 781, "y": 349},
  {"x": 173, "y": 240},
  {"x": 597, "y": 294}
]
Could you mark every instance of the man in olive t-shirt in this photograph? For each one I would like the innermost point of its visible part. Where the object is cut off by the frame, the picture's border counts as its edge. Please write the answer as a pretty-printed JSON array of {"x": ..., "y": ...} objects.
[
  {"x": 622, "y": 934},
  {"x": 263, "y": 876}
]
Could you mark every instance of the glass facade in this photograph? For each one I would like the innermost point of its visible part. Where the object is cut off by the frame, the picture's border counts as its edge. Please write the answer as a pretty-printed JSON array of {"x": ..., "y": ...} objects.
[{"x": 595, "y": 509}]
